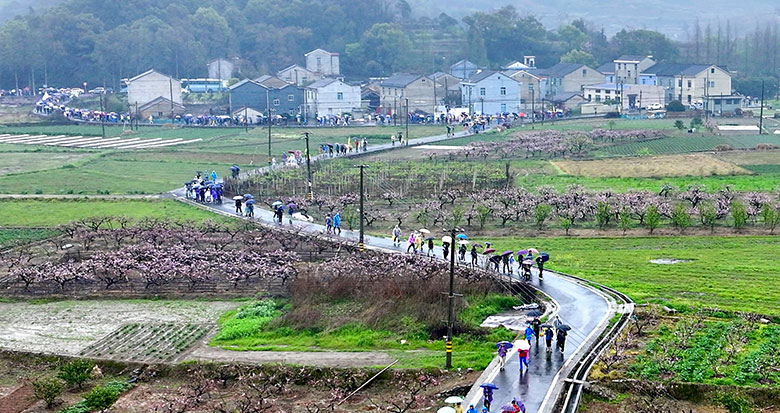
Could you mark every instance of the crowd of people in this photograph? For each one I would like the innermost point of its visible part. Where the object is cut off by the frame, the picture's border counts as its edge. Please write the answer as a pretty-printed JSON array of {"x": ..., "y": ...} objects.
[
  {"x": 204, "y": 188},
  {"x": 353, "y": 144}
]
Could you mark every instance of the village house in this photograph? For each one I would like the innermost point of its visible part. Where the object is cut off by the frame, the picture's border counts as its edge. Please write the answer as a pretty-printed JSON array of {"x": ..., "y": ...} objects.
[
  {"x": 566, "y": 77},
  {"x": 160, "y": 107},
  {"x": 532, "y": 91},
  {"x": 323, "y": 62},
  {"x": 689, "y": 83},
  {"x": 448, "y": 92},
  {"x": 282, "y": 98},
  {"x": 625, "y": 96},
  {"x": 297, "y": 75},
  {"x": 629, "y": 67},
  {"x": 400, "y": 88},
  {"x": 151, "y": 85},
  {"x": 463, "y": 69},
  {"x": 221, "y": 69},
  {"x": 331, "y": 97},
  {"x": 490, "y": 92}
]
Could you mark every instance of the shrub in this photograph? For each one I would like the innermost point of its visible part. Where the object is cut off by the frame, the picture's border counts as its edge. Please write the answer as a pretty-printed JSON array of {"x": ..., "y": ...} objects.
[
  {"x": 681, "y": 219},
  {"x": 603, "y": 214},
  {"x": 624, "y": 220},
  {"x": 771, "y": 217},
  {"x": 696, "y": 122},
  {"x": 765, "y": 147},
  {"x": 724, "y": 147},
  {"x": 565, "y": 224},
  {"x": 679, "y": 124},
  {"x": 76, "y": 372},
  {"x": 101, "y": 398},
  {"x": 675, "y": 106},
  {"x": 47, "y": 389},
  {"x": 708, "y": 216},
  {"x": 734, "y": 403},
  {"x": 541, "y": 213},
  {"x": 652, "y": 218},
  {"x": 739, "y": 214}
]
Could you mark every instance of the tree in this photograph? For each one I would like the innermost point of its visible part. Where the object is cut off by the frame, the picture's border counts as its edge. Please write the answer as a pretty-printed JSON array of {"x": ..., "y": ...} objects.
[
  {"x": 708, "y": 216},
  {"x": 679, "y": 124},
  {"x": 573, "y": 37},
  {"x": 101, "y": 398},
  {"x": 645, "y": 43},
  {"x": 541, "y": 213},
  {"x": 771, "y": 217},
  {"x": 565, "y": 224},
  {"x": 681, "y": 218},
  {"x": 739, "y": 214},
  {"x": 603, "y": 214},
  {"x": 624, "y": 220},
  {"x": 579, "y": 56},
  {"x": 47, "y": 389},
  {"x": 675, "y": 106},
  {"x": 386, "y": 45},
  {"x": 652, "y": 218},
  {"x": 76, "y": 372}
]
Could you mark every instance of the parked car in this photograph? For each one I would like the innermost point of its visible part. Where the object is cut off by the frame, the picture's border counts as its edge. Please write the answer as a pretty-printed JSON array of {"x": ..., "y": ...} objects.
[{"x": 655, "y": 106}]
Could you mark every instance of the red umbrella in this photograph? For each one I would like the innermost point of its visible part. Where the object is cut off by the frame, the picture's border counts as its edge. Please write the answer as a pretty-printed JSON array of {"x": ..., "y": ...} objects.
[{"x": 488, "y": 251}]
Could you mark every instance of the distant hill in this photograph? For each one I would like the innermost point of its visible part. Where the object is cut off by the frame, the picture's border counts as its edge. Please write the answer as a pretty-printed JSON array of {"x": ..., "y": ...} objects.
[
  {"x": 667, "y": 16},
  {"x": 11, "y": 8}
]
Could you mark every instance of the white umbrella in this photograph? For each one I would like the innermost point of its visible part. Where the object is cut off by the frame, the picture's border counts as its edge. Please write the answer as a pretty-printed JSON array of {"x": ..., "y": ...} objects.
[
  {"x": 463, "y": 242},
  {"x": 446, "y": 238},
  {"x": 453, "y": 400},
  {"x": 301, "y": 217},
  {"x": 446, "y": 409},
  {"x": 237, "y": 197},
  {"x": 523, "y": 345},
  {"x": 424, "y": 231}
]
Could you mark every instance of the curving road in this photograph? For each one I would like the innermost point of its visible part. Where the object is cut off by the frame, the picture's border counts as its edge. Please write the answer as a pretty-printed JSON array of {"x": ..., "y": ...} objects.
[{"x": 582, "y": 307}]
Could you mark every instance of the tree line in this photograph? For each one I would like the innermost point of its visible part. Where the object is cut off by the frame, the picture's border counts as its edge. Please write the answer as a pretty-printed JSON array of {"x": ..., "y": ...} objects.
[{"x": 90, "y": 41}]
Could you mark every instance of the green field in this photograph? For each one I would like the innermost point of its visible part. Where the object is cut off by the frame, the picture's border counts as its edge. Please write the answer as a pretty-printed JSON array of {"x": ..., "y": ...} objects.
[
  {"x": 682, "y": 144},
  {"x": 10, "y": 236},
  {"x": 118, "y": 130},
  {"x": 50, "y": 213},
  {"x": 256, "y": 327},
  {"x": 737, "y": 273}
]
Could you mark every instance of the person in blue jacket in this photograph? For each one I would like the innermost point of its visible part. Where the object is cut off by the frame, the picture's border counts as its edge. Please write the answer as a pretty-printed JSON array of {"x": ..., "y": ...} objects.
[
  {"x": 529, "y": 333},
  {"x": 337, "y": 223}
]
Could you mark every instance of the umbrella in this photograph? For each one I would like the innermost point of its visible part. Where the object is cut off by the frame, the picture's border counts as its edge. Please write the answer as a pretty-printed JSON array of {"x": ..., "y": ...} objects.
[
  {"x": 292, "y": 205},
  {"x": 533, "y": 250},
  {"x": 430, "y": 238},
  {"x": 446, "y": 409},
  {"x": 462, "y": 236},
  {"x": 446, "y": 238},
  {"x": 545, "y": 325},
  {"x": 464, "y": 242},
  {"x": 488, "y": 386},
  {"x": 545, "y": 256},
  {"x": 488, "y": 251},
  {"x": 535, "y": 313},
  {"x": 508, "y": 408},
  {"x": 251, "y": 202},
  {"x": 505, "y": 343},
  {"x": 523, "y": 345},
  {"x": 248, "y": 196},
  {"x": 507, "y": 252},
  {"x": 478, "y": 245},
  {"x": 564, "y": 327},
  {"x": 528, "y": 262},
  {"x": 424, "y": 231},
  {"x": 277, "y": 203},
  {"x": 522, "y": 252},
  {"x": 238, "y": 197},
  {"x": 519, "y": 404},
  {"x": 453, "y": 400}
]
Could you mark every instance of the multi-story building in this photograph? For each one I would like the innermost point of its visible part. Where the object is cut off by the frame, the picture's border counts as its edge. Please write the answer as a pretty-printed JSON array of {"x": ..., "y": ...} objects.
[
  {"x": 323, "y": 62},
  {"x": 628, "y": 68},
  {"x": 150, "y": 85},
  {"x": 490, "y": 92},
  {"x": 331, "y": 97},
  {"x": 400, "y": 88},
  {"x": 297, "y": 75},
  {"x": 689, "y": 83},
  {"x": 281, "y": 99}
]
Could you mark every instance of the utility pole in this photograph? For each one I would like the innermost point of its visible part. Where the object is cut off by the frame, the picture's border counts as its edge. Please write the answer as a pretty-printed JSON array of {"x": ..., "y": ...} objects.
[
  {"x": 170, "y": 85},
  {"x": 761, "y": 112},
  {"x": 407, "y": 120},
  {"x": 482, "y": 102},
  {"x": 361, "y": 244},
  {"x": 533, "y": 103},
  {"x": 451, "y": 301},
  {"x": 246, "y": 120},
  {"x": 268, "y": 110},
  {"x": 102, "y": 117},
  {"x": 308, "y": 168},
  {"x": 395, "y": 111}
]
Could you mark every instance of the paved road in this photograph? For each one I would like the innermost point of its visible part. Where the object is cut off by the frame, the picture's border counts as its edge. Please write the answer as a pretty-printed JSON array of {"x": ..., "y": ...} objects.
[{"x": 580, "y": 306}]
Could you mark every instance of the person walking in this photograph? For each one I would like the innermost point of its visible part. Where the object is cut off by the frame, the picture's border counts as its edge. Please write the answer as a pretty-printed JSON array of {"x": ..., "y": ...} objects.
[
  {"x": 505, "y": 268},
  {"x": 238, "y": 207},
  {"x": 250, "y": 210},
  {"x": 518, "y": 405},
  {"x": 290, "y": 211},
  {"x": 418, "y": 243},
  {"x": 396, "y": 236},
  {"x": 536, "y": 325},
  {"x": 392, "y": 140},
  {"x": 529, "y": 333},
  {"x": 472, "y": 409},
  {"x": 328, "y": 223},
  {"x": 430, "y": 248},
  {"x": 522, "y": 354},
  {"x": 445, "y": 250},
  {"x": 365, "y": 144},
  {"x": 474, "y": 255},
  {"x": 462, "y": 252},
  {"x": 214, "y": 176},
  {"x": 337, "y": 224},
  {"x": 540, "y": 265},
  {"x": 560, "y": 340},
  {"x": 487, "y": 395},
  {"x": 412, "y": 242},
  {"x": 280, "y": 214},
  {"x": 502, "y": 352},
  {"x": 459, "y": 408},
  {"x": 548, "y": 336}
]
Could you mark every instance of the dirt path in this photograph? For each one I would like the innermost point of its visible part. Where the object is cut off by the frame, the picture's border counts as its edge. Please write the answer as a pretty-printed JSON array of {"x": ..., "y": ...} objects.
[
  {"x": 18, "y": 400},
  {"x": 319, "y": 358}
]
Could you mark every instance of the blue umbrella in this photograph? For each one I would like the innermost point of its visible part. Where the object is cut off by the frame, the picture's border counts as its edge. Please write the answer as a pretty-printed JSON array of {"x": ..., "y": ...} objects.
[
  {"x": 250, "y": 196},
  {"x": 505, "y": 343},
  {"x": 462, "y": 236},
  {"x": 251, "y": 202},
  {"x": 489, "y": 386},
  {"x": 534, "y": 313}
]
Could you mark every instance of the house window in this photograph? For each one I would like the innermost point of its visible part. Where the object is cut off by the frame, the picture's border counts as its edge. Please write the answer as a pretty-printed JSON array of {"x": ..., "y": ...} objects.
[
  {"x": 712, "y": 83},
  {"x": 290, "y": 98},
  {"x": 584, "y": 72},
  {"x": 689, "y": 99},
  {"x": 712, "y": 70},
  {"x": 503, "y": 91},
  {"x": 598, "y": 98},
  {"x": 482, "y": 91},
  {"x": 503, "y": 107},
  {"x": 339, "y": 96},
  {"x": 690, "y": 83},
  {"x": 629, "y": 73},
  {"x": 276, "y": 102},
  {"x": 598, "y": 90},
  {"x": 679, "y": 83},
  {"x": 717, "y": 101}
]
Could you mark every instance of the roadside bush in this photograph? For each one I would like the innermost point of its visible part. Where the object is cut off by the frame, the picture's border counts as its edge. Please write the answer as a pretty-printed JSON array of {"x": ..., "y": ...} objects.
[
  {"x": 675, "y": 106},
  {"x": 76, "y": 372},
  {"x": 739, "y": 214},
  {"x": 101, "y": 398},
  {"x": 541, "y": 213},
  {"x": 47, "y": 389},
  {"x": 734, "y": 403},
  {"x": 765, "y": 147},
  {"x": 679, "y": 124},
  {"x": 681, "y": 219},
  {"x": 652, "y": 218}
]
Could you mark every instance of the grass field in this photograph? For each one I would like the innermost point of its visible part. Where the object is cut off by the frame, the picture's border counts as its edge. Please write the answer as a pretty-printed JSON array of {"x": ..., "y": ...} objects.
[
  {"x": 253, "y": 327},
  {"x": 118, "y": 130},
  {"x": 50, "y": 213},
  {"x": 730, "y": 273},
  {"x": 682, "y": 144},
  {"x": 10, "y": 236},
  {"x": 652, "y": 167}
]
